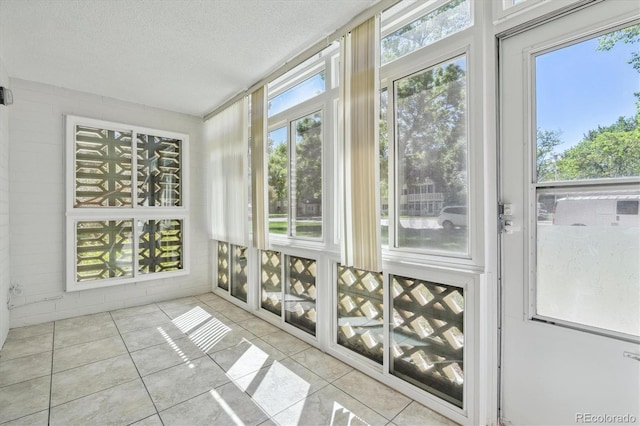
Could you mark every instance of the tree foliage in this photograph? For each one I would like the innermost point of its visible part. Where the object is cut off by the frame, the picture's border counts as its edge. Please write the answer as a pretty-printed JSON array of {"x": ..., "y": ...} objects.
[
  {"x": 309, "y": 159},
  {"x": 431, "y": 128}
]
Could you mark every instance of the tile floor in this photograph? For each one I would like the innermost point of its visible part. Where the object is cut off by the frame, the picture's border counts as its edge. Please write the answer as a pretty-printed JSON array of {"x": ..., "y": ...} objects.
[{"x": 189, "y": 361}]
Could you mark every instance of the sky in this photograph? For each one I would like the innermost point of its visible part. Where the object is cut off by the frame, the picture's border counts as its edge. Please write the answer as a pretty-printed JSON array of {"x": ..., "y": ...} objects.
[{"x": 579, "y": 88}]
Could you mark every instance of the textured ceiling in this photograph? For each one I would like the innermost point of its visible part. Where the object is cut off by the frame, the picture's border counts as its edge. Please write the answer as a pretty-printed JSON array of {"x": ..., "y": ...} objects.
[{"x": 182, "y": 55}]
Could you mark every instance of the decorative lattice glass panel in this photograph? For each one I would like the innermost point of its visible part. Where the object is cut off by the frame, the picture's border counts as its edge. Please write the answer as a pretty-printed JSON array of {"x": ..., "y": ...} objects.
[
  {"x": 104, "y": 249},
  {"x": 159, "y": 245},
  {"x": 102, "y": 167},
  {"x": 300, "y": 297},
  {"x": 360, "y": 312},
  {"x": 159, "y": 171},
  {"x": 223, "y": 265},
  {"x": 271, "y": 281},
  {"x": 427, "y": 336},
  {"x": 239, "y": 268}
]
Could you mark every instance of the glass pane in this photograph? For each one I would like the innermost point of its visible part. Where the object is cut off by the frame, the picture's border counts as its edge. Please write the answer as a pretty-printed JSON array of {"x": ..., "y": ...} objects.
[
  {"x": 159, "y": 171},
  {"x": 159, "y": 245},
  {"x": 278, "y": 158},
  {"x": 588, "y": 248},
  {"x": 239, "y": 268},
  {"x": 223, "y": 265},
  {"x": 300, "y": 297},
  {"x": 384, "y": 167},
  {"x": 271, "y": 282},
  {"x": 427, "y": 336},
  {"x": 446, "y": 20},
  {"x": 587, "y": 101},
  {"x": 360, "y": 312},
  {"x": 104, "y": 249},
  {"x": 306, "y": 178},
  {"x": 312, "y": 86},
  {"x": 432, "y": 181},
  {"x": 103, "y": 167}
]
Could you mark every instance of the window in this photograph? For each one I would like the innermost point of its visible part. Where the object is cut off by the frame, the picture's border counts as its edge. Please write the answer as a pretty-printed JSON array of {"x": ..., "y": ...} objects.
[
  {"x": 300, "y": 105},
  {"x": 124, "y": 226},
  {"x": 232, "y": 270},
  {"x": 431, "y": 150}
]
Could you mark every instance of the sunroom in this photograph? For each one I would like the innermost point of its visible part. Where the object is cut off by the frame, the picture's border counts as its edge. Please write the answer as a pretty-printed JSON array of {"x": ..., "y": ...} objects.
[{"x": 366, "y": 211}]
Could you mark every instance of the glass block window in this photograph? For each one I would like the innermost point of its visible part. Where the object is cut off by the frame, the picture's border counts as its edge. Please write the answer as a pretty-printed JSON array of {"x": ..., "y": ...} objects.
[
  {"x": 271, "y": 281},
  {"x": 125, "y": 211},
  {"x": 102, "y": 167},
  {"x": 300, "y": 294},
  {"x": 239, "y": 268},
  {"x": 160, "y": 245},
  {"x": 360, "y": 312},
  {"x": 159, "y": 171},
  {"x": 104, "y": 249},
  {"x": 427, "y": 336},
  {"x": 223, "y": 265}
]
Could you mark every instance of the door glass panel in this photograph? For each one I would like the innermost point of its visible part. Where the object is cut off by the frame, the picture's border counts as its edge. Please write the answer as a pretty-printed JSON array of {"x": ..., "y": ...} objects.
[
  {"x": 588, "y": 248},
  {"x": 432, "y": 178},
  {"x": 588, "y": 234},
  {"x": 223, "y": 266},
  {"x": 271, "y": 281},
  {"x": 239, "y": 276},
  {"x": 587, "y": 109}
]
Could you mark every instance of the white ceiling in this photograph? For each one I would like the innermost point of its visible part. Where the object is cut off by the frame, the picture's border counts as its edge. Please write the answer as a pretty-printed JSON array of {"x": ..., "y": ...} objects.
[{"x": 181, "y": 55}]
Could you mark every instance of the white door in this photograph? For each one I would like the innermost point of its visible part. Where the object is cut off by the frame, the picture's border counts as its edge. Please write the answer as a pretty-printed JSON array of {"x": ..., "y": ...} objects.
[{"x": 570, "y": 181}]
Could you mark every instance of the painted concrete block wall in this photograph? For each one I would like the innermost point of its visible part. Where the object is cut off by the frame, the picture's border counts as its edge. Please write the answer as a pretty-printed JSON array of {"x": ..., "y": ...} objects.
[
  {"x": 37, "y": 210},
  {"x": 4, "y": 211}
]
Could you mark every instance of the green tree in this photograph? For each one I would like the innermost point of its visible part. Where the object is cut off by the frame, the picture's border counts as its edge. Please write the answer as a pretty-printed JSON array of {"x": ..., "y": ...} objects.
[
  {"x": 607, "y": 152},
  {"x": 277, "y": 170},
  {"x": 546, "y": 142},
  {"x": 309, "y": 159},
  {"x": 431, "y": 126}
]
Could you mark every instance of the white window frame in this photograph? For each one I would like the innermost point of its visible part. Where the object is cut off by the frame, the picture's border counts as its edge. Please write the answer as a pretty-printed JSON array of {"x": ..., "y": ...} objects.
[
  {"x": 325, "y": 103},
  {"x": 463, "y": 43},
  {"x": 134, "y": 212}
]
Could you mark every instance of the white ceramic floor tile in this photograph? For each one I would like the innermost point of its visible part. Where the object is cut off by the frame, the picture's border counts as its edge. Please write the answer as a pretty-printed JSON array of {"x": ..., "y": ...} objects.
[
  {"x": 285, "y": 342},
  {"x": 122, "y": 405},
  {"x": 258, "y": 327},
  {"x": 25, "y": 368},
  {"x": 30, "y": 331},
  {"x": 83, "y": 321},
  {"x": 81, "y": 381},
  {"x": 184, "y": 381},
  {"x": 330, "y": 406},
  {"x": 324, "y": 365},
  {"x": 139, "y": 322},
  {"x": 225, "y": 405},
  {"x": 40, "y": 418},
  {"x": 134, "y": 311},
  {"x": 159, "y": 357},
  {"x": 416, "y": 413},
  {"x": 149, "y": 421},
  {"x": 374, "y": 394},
  {"x": 151, "y": 336},
  {"x": 280, "y": 385},
  {"x": 24, "y": 398},
  {"x": 177, "y": 302},
  {"x": 246, "y": 357},
  {"x": 213, "y": 335},
  {"x": 18, "y": 348},
  {"x": 86, "y": 353},
  {"x": 75, "y": 335}
]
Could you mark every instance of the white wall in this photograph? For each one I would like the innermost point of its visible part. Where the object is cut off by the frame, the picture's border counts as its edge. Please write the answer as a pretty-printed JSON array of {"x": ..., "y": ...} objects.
[
  {"x": 4, "y": 210},
  {"x": 37, "y": 211}
]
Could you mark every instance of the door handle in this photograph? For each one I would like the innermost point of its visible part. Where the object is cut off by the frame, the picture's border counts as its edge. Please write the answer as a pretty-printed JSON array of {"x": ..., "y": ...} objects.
[{"x": 631, "y": 355}]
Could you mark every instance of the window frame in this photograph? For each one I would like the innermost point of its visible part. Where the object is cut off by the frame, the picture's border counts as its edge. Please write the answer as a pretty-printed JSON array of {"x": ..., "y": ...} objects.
[
  {"x": 134, "y": 212},
  {"x": 325, "y": 104}
]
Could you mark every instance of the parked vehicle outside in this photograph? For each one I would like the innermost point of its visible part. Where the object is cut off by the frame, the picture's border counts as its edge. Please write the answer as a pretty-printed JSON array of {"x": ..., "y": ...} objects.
[
  {"x": 453, "y": 217},
  {"x": 597, "y": 210}
]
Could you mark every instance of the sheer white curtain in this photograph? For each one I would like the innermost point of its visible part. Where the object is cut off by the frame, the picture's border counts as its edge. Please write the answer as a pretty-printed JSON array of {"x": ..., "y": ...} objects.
[
  {"x": 226, "y": 141},
  {"x": 361, "y": 168},
  {"x": 258, "y": 173}
]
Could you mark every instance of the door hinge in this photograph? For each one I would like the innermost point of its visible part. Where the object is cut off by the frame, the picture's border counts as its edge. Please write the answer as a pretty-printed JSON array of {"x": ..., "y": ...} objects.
[{"x": 505, "y": 219}]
